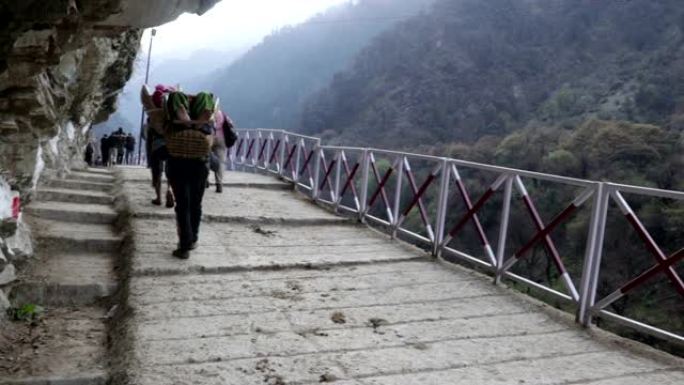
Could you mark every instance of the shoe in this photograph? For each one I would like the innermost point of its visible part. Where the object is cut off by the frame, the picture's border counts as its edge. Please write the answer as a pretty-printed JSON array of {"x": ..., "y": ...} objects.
[
  {"x": 156, "y": 202},
  {"x": 181, "y": 253},
  {"x": 219, "y": 188},
  {"x": 170, "y": 202}
]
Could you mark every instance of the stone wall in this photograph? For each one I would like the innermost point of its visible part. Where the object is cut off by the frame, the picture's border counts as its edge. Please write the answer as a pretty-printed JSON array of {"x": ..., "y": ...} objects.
[{"x": 62, "y": 65}]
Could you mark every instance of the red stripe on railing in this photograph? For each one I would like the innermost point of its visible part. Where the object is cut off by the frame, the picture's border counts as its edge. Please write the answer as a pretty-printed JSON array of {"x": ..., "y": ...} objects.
[
  {"x": 249, "y": 149},
  {"x": 381, "y": 188},
  {"x": 548, "y": 242},
  {"x": 263, "y": 147},
  {"x": 418, "y": 192},
  {"x": 327, "y": 170},
  {"x": 471, "y": 212},
  {"x": 417, "y": 198},
  {"x": 469, "y": 205},
  {"x": 376, "y": 174},
  {"x": 662, "y": 265},
  {"x": 275, "y": 151},
  {"x": 547, "y": 230},
  {"x": 350, "y": 179},
  {"x": 239, "y": 147},
  {"x": 306, "y": 163},
  {"x": 346, "y": 170},
  {"x": 289, "y": 156},
  {"x": 657, "y": 253}
]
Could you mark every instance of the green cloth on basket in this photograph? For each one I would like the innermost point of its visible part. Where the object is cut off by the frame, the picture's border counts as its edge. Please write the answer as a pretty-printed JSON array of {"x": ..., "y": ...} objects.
[
  {"x": 176, "y": 101},
  {"x": 193, "y": 105},
  {"x": 201, "y": 102}
]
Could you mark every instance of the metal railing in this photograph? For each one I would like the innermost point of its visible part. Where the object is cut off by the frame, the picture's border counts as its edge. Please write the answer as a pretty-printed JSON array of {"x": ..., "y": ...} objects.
[{"x": 380, "y": 187}]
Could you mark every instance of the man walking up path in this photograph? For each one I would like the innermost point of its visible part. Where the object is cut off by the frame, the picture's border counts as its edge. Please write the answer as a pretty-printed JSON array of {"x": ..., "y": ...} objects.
[{"x": 189, "y": 143}]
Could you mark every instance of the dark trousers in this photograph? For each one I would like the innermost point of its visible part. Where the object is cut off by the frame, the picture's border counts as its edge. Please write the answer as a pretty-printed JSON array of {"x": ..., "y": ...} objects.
[
  {"x": 120, "y": 155},
  {"x": 187, "y": 178}
]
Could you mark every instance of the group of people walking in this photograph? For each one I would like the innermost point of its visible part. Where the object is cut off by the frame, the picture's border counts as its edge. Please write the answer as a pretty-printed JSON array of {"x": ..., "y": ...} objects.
[
  {"x": 186, "y": 136},
  {"x": 117, "y": 148}
]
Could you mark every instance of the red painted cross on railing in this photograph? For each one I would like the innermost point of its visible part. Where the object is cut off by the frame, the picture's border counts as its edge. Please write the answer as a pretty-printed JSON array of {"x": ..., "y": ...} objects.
[
  {"x": 417, "y": 197},
  {"x": 652, "y": 247},
  {"x": 472, "y": 212},
  {"x": 465, "y": 196},
  {"x": 349, "y": 181},
  {"x": 327, "y": 169},
  {"x": 380, "y": 189}
]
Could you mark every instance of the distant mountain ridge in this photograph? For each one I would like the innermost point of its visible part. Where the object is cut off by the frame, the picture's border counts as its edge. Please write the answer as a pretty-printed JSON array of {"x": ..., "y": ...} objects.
[
  {"x": 471, "y": 68},
  {"x": 269, "y": 84}
]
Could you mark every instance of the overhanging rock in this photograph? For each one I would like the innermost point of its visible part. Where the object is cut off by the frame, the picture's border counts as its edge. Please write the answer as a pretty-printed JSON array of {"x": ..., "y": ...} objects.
[{"x": 62, "y": 65}]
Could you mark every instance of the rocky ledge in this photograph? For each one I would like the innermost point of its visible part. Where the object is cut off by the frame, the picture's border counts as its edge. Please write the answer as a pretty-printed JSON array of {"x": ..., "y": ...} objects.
[{"x": 62, "y": 65}]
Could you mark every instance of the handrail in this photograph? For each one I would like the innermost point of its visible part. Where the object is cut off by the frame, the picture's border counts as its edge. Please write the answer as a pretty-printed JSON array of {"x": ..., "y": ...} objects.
[
  {"x": 481, "y": 166},
  {"x": 330, "y": 175}
]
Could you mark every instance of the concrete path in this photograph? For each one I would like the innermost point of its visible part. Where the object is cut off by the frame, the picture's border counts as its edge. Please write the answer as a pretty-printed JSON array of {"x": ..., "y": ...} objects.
[{"x": 283, "y": 292}]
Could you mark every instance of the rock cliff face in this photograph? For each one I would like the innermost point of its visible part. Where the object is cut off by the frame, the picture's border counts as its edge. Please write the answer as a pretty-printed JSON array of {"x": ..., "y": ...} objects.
[{"x": 62, "y": 64}]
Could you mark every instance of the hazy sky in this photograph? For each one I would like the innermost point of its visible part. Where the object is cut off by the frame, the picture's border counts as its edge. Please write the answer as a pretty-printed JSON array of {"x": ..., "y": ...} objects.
[{"x": 231, "y": 24}]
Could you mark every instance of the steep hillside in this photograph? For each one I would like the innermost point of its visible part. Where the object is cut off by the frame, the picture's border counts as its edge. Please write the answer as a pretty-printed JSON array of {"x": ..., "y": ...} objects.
[
  {"x": 268, "y": 85},
  {"x": 471, "y": 68}
]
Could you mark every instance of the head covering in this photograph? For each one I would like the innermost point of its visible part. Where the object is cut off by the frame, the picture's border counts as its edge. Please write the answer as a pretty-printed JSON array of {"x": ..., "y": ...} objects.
[{"x": 159, "y": 91}]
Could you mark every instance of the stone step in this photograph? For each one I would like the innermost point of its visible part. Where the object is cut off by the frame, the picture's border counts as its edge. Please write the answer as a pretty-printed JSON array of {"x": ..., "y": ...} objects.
[
  {"x": 91, "y": 177},
  {"x": 75, "y": 184},
  {"x": 72, "y": 212},
  {"x": 74, "y": 196},
  {"x": 98, "y": 170},
  {"x": 55, "y": 235},
  {"x": 67, "y": 347},
  {"x": 67, "y": 279},
  {"x": 231, "y": 180}
]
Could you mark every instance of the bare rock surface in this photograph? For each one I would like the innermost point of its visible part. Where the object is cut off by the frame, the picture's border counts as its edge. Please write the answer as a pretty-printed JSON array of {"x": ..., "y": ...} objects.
[{"x": 62, "y": 65}]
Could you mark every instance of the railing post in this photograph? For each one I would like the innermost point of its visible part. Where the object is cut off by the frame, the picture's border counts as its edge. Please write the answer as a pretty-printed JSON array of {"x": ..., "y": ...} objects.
[
  {"x": 255, "y": 151},
  {"x": 317, "y": 171},
  {"x": 503, "y": 228},
  {"x": 298, "y": 162},
  {"x": 267, "y": 150},
  {"x": 440, "y": 219},
  {"x": 593, "y": 254},
  {"x": 245, "y": 160},
  {"x": 338, "y": 169},
  {"x": 231, "y": 155},
  {"x": 397, "y": 196},
  {"x": 365, "y": 169},
  {"x": 284, "y": 140}
]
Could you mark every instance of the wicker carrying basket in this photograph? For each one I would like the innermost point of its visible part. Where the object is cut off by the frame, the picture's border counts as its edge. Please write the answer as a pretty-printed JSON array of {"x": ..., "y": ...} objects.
[{"x": 189, "y": 144}]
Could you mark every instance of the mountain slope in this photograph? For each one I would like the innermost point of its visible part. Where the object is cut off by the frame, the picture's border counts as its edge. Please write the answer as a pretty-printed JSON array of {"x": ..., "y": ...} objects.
[
  {"x": 267, "y": 86},
  {"x": 471, "y": 68}
]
